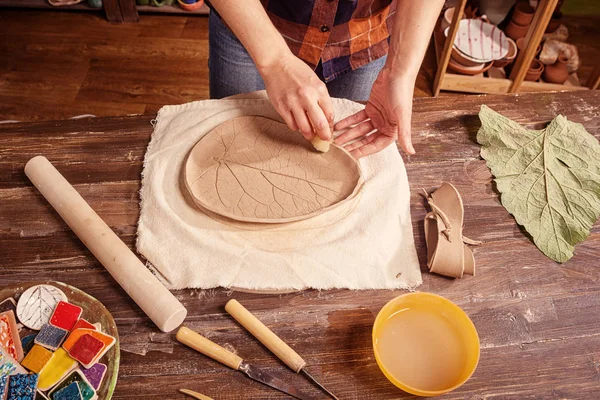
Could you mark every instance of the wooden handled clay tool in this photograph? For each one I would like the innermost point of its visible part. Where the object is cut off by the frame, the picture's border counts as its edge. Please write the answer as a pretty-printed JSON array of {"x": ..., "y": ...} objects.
[
  {"x": 271, "y": 341},
  {"x": 195, "y": 395},
  {"x": 124, "y": 266},
  {"x": 218, "y": 353}
]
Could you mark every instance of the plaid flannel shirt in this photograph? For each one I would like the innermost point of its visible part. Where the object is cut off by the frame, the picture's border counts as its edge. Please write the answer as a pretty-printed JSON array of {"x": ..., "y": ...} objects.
[{"x": 341, "y": 34}]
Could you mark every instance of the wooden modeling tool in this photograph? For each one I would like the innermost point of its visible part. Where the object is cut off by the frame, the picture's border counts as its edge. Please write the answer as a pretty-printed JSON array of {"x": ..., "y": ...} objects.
[
  {"x": 195, "y": 395},
  {"x": 270, "y": 340},
  {"x": 124, "y": 266},
  {"x": 233, "y": 361}
]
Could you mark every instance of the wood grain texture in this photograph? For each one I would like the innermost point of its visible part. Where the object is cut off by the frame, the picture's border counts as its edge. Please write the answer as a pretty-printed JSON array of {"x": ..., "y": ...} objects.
[{"x": 536, "y": 319}]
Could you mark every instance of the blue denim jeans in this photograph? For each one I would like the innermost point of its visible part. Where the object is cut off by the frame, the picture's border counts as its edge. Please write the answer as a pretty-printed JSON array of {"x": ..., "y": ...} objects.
[{"x": 232, "y": 70}]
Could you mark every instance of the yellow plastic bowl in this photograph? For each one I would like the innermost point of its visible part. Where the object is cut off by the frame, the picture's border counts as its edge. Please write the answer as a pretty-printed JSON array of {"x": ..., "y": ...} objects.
[{"x": 425, "y": 344}]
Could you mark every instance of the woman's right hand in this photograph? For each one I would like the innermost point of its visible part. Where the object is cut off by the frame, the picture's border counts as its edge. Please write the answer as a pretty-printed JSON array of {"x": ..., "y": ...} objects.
[{"x": 299, "y": 96}]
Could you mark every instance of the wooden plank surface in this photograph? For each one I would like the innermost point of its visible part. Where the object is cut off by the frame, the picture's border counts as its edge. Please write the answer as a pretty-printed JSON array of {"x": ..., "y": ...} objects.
[{"x": 537, "y": 320}]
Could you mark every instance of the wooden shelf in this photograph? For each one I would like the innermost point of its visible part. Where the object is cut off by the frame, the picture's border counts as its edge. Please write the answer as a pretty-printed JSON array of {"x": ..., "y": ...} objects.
[
  {"x": 496, "y": 81},
  {"x": 44, "y": 4},
  {"x": 174, "y": 9}
]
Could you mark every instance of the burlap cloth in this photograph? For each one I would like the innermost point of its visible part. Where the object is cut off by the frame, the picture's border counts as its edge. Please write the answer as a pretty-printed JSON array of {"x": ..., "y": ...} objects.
[{"x": 367, "y": 243}]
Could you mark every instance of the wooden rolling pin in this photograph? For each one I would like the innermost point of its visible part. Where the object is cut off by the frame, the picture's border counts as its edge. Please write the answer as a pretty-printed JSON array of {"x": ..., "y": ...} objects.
[{"x": 124, "y": 266}]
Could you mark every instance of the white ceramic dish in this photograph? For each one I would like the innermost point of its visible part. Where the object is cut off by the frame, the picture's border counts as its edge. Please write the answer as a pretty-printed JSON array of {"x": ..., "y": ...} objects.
[{"x": 480, "y": 41}]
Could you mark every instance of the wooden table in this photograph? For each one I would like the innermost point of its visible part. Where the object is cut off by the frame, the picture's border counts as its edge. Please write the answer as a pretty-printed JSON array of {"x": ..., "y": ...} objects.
[{"x": 539, "y": 322}]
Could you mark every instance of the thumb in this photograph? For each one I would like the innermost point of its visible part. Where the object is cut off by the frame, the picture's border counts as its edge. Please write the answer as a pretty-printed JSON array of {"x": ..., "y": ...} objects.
[{"x": 404, "y": 131}]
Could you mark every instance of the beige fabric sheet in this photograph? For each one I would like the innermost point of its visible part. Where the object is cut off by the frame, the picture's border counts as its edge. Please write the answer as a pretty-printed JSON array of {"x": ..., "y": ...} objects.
[{"x": 365, "y": 244}]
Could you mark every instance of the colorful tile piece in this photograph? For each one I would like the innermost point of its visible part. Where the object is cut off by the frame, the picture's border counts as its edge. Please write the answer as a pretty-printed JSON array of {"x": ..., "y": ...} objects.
[
  {"x": 95, "y": 374},
  {"x": 8, "y": 365},
  {"x": 9, "y": 335},
  {"x": 51, "y": 337},
  {"x": 76, "y": 334},
  {"x": 41, "y": 396},
  {"x": 65, "y": 315},
  {"x": 86, "y": 349},
  {"x": 59, "y": 366},
  {"x": 37, "y": 358},
  {"x": 70, "y": 392},
  {"x": 22, "y": 386},
  {"x": 27, "y": 343},
  {"x": 36, "y": 305},
  {"x": 86, "y": 390},
  {"x": 8, "y": 305},
  {"x": 3, "y": 386},
  {"x": 82, "y": 323}
]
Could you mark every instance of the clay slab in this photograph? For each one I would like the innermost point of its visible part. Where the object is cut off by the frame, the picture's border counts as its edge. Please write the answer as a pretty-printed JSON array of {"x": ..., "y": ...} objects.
[
  {"x": 36, "y": 305},
  {"x": 255, "y": 169}
]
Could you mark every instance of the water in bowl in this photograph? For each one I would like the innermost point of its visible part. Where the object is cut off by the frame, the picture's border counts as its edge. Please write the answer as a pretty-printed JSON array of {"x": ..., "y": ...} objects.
[{"x": 422, "y": 349}]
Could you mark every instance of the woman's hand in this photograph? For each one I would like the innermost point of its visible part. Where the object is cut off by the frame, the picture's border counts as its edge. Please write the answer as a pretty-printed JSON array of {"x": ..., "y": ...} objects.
[
  {"x": 299, "y": 96},
  {"x": 385, "y": 119}
]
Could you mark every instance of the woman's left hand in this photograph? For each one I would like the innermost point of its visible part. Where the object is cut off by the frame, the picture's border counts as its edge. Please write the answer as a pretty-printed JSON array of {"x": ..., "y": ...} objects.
[{"x": 385, "y": 119}]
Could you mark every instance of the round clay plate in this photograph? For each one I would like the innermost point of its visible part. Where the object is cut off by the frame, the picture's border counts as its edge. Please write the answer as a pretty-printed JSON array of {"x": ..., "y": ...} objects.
[
  {"x": 93, "y": 311},
  {"x": 480, "y": 40},
  {"x": 255, "y": 169}
]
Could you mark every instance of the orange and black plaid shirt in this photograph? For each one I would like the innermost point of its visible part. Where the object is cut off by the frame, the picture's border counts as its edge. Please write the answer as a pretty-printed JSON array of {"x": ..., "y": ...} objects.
[{"x": 341, "y": 34}]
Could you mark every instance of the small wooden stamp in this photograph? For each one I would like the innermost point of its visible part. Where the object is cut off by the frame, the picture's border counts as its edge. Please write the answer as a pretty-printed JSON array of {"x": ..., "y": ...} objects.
[
  {"x": 51, "y": 337},
  {"x": 37, "y": 358},
  {"x": 22, "y": 386},
  {"x": 65, "y": 315},
  {"x": 9, "y": 335},
  {"x": 36, "y": 305}
]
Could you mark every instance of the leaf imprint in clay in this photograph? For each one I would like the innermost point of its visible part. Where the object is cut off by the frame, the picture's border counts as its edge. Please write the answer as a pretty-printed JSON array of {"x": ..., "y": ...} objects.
[{"x": 256, "y": 169}]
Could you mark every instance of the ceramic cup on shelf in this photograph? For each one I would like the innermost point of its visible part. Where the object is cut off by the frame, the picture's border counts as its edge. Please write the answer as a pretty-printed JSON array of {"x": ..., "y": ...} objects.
[
  {"x": 515, "y": 31},
  {"x": 521, "y": 46},
  {"x": 523, "y": 13},
  {"x": 535, "y": 70},
  {"x": 557, "y": 72},
  {"x": 509, "y": 57}
]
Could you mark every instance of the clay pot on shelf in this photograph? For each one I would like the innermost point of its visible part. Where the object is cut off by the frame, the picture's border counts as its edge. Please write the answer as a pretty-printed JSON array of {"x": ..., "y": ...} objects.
[
  {"x": 515, "y": 31},
  {"x": 535, "y": 70},
  {"x": 509, "y": 57},
  {"x": 523, "y": 13},
  {"x": 557, "y": 72},
  {"x": 464, "y": 59},
  {"x": 521, "y": 46},
  {"x": 458, "y": 68},
  {"x": 447, "y": 19}
]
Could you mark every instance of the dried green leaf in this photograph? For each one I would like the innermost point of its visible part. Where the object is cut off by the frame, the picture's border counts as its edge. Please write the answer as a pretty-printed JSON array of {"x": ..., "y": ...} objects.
[{"x": 549, "y": 179}]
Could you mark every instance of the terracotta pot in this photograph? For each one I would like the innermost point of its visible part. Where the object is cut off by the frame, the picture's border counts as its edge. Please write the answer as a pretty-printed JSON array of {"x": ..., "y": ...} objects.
[
  {"x": 447, "y": 20},
  {"x": 535, "y": 70},
  {"x": 454, "y": 66},
  {"x": 523, "y": 13},
  {"x": 464, "y": 59},
  {"x": 557, "y": 72},
  {"x": 510, "y": 56},
  {"x": 516, "y": 31},
  {"x": 521, "y": 46}
]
